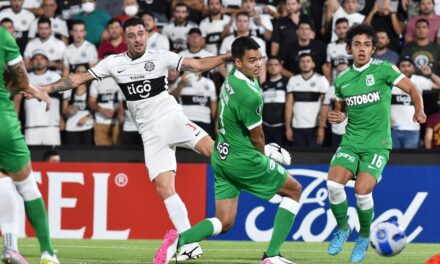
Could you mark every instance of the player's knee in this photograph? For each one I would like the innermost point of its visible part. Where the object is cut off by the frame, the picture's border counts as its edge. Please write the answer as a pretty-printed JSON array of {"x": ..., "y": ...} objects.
[
  {"x": 362, "y": 189},
  {"x": 336, "y": 192},
  {"x": 165, "y": 190}
]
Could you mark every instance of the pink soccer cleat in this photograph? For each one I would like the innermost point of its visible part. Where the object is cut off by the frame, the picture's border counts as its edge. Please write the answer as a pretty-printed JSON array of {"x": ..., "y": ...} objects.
[{"x": 168, "y": 248}]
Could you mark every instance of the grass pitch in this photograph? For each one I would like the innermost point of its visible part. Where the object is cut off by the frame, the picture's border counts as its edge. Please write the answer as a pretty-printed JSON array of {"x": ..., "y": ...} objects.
[{"x": 142, "y": 251}]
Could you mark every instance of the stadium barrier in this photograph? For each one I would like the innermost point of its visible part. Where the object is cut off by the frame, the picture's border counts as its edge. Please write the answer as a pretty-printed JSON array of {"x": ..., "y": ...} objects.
[{"x": 109, "y": 200}]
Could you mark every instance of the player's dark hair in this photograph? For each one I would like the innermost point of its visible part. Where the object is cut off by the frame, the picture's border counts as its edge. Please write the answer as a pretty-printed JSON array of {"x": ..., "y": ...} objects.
[
  {"x": 361, "y": 29},
  {"x": 306, "y": 54},
  {"x": 241, "y": 44},
  {"x": 306, "y": 21},
  {"x": 134, "y": 21},
  {"x": 6, "y": 20},
  {"x": 147, "y": 13},
  {"x": 44, "y": 20},
  {"x": 242, "y": 13},
  {"x": 421, "y": 20},
  {"x": 77, "y": 22},
  {"x": 181, "y": 4},
  {"x": 341, "y": 20},
  {"x": 113, "y": 20}
]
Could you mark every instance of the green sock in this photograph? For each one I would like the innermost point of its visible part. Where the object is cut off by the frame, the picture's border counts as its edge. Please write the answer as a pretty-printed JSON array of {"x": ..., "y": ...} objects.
[
  {"x": 196, "y": 233},
  {"x": 340, "y": 213},
  {"x": 36, "y": 213},
  {"x": 282, "y": 224},
  {"x": 365, "y": 218}
]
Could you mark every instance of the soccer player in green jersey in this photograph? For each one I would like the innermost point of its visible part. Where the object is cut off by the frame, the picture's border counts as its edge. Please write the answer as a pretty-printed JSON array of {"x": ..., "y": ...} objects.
[
  {"x": 239, "y": 162},
  {"x": 15, "y": 166},
  {"x": 363, "y": 94}
]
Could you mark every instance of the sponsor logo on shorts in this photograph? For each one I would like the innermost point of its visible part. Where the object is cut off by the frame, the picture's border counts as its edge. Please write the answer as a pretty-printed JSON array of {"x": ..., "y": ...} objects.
[
  {"x": 363, "y": 99},
  {"x": 223, "y": 150},
  {"x": 346, "y": 156}
]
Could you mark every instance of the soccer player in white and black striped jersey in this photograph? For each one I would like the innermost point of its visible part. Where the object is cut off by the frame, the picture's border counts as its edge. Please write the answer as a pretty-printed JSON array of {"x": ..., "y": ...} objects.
[{"x": 142, "y": 77}]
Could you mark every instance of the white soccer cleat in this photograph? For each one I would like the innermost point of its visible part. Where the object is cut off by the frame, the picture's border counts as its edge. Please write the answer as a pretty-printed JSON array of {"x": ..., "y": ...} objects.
[
  {"x": 10, "y": 256},
  {"x": 47, "y": 258},
  {"x": 188, "y": 252},
  {"x": 275, "y": 260}
]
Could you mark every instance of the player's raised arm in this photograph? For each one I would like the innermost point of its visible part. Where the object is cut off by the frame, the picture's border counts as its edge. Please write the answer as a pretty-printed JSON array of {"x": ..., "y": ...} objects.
[
  {"x": 204, "y": 64},
  {"x": 407, "y": 86},
  {"x": 68, "y": 82}
]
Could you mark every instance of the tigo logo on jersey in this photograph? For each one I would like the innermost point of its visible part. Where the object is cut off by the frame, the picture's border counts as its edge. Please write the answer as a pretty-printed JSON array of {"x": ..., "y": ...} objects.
[
  {"x": 363, "y": 99},
  {"x": 369, "y": 80}
]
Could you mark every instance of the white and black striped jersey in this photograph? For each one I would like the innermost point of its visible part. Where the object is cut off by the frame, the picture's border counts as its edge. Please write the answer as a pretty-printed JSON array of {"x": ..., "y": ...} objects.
[
  {"x": 212, "y": 32},
  {"x": 178, "y": 34},
  {"x": 80, "y": 101},
  {"x": 53, "y": 47},
  {"x": 35, "y": 111},
  {"x": 84, "y": 54},
  {"x": 402, "y": 109},
  {"x": 143, "y": 81},
  {"x": 307, "y": 99},
  {"x": 336, "y": 53},
  {"x": 274, "y": 98},
  {"x": 106, "y": 93},
  {"x": 196, "y": 99}
]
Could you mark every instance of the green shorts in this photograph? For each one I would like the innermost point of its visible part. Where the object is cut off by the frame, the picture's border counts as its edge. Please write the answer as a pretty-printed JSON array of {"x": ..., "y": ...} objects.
[
  {"x": 371, "y": 161},
  {"x": 14, "y": 153},
  {"x": 262, "y": 181}
]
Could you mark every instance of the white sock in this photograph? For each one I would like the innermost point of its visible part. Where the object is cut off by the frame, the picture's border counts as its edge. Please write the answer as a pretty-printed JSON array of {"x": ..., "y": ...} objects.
[
  {"x": 336, "y": 192},
  {"x": 177, "y": 213},
  {"x": 364, "y": 201},
  {"x": 9, "y": 218},
  {"x": 28, "y": 188}
]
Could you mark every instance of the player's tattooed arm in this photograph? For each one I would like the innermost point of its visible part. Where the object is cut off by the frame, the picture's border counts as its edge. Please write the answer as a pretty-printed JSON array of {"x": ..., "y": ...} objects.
[
  {"x": 19, "y": 76},
  {"x": 204, "y": 64},
  {"x": 69, "y": 82}
]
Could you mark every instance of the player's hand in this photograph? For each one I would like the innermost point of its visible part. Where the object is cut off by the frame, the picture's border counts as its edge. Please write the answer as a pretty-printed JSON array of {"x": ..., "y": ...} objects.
[
  {"x": 289, "y": 133},
  {"x": 320, "y": 135},
  {"x": 419, "y": 117},
  {"x": 37, "y": 93},
  {"x": 277, "y": 153},
  {"x": 336, "y": 117}
]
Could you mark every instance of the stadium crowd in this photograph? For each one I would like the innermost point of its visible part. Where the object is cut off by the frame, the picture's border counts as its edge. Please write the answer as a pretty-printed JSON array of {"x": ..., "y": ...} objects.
[{"x": 302, "y": 42}]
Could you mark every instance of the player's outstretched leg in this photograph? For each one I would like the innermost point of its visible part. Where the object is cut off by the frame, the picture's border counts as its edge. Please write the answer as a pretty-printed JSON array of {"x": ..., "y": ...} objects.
[
  {"x": 35, "y": 211},
  {"x": 9, "y": 222},
  {"x": 284, "y": 218},
  {"x": 339, "y": 207}
]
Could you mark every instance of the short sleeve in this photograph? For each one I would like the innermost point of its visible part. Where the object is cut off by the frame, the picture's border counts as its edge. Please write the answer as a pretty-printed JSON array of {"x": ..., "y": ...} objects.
[
  {"x": 324, "y": 85},
  {"x": 392, "y": 73},
  {"x": 93, "y": 55},
  {"x": 28, "y": 50},
  {"x": 328, "y": 58},
  {"x": 250, "y": 112},
  {"x": 223, "y": 47},
  {"x": 212, "y": 93},
  {"x": 12, "y": 52},
  {"x": 94, "y": 89},
  {"x": 67, "y": 94},
  {"x": 101, "y": 70},
  {"x": 329, "y": 95},
  {"x": 276, "y": 33},
  {"x": 289, "y": 87},
  {"x": 172, "y": 60}
]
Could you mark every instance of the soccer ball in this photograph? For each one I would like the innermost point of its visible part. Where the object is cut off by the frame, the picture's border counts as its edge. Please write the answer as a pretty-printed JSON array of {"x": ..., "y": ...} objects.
[{"x": 387, "y": 239}]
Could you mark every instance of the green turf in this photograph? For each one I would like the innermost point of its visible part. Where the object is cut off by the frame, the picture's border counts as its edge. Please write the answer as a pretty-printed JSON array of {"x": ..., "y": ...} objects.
[{"x": 141, "y": 251}]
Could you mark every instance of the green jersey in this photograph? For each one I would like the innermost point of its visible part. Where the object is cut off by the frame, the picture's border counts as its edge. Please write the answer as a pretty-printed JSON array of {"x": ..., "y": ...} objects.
[
  {"x": 240, "y": 110},
  {"x": 10, "y": 55},
  {"x": 367, "y": 95}
]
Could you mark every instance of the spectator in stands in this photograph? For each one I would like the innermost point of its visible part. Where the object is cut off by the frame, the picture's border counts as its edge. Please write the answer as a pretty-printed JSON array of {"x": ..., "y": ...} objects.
[
  {"x": 59, "y": 25},
  {"x": 103, "y": 100},
  {"x": 405, "y": 132},
  {"x": 9, "y": 25},
  {"x": 274, "y": 97},
  {"x": 259, "y": 24},
  {"x": 285, "y": 29},
  {"x": 33, "y": 6},
  {"x": 304, "y": 44},
  {"x": 389, "y": 17},
  {"x": 198, "y": 98},
  {"x": 95, "y": 20},
  {"x": 336, "y": 51},
  {"x": 159, "y": 8},
  {"x": 426, "y": 10},
  {"x": 22, "y": 20},
  {"x": 129, "y": 134},
  {"x": 328, "y": 104},
  {"x": 422, "y": 50},
  {"x": 130, "y": 9},
  {"x": 213, "y": 26},
  {"x": 52, "y": 156},
  {"x": 382, "y": 52},
  {"x": 42, "y": 127},
  {"x": 115, "y": 44},
  {"x": 242, "y": 26},
  {"x": 79, "y": 123},
  {"x": 177, "y": 29},
  {"x": 53, "y": 47},
  {"x": 155, "y": 39},
  {"x": 195, "y": 45},
  {"x": 348, "y": 9},
  {"x": 305, "y": 93},
  {"x": 80, "y": 51},
  {"x": 432, "y": 133}
]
